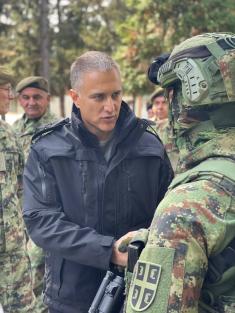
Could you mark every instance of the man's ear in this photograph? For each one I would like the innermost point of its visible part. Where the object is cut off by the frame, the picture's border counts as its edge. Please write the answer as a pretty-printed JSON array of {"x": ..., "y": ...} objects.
[{"x": 74, "y": 95}]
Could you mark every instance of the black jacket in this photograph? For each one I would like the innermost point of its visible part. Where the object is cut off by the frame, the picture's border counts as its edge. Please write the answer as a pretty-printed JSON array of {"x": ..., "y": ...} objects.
[{"x": 76, "y": 204}]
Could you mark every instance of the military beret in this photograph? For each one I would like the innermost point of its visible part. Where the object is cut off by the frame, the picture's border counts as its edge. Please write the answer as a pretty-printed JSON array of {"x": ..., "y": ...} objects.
[
  {"x": 5, "y": 76},
  {"x": 34, "y": 82},
  {"x": 158, "y": 92}
]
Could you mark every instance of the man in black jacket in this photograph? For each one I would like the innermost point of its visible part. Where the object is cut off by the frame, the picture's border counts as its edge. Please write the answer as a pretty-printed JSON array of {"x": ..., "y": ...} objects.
[{"x": 89, "y": 181}]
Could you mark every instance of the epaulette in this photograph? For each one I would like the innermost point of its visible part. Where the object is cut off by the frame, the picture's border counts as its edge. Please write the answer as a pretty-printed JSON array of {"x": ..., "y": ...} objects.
[{"x": 47, "y": 129}]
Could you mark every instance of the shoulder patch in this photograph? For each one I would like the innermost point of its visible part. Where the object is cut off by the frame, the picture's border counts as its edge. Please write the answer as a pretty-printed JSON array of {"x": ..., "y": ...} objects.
[
  {"x": 145, "y": 285},
  {"x": 47, "y": 129}
]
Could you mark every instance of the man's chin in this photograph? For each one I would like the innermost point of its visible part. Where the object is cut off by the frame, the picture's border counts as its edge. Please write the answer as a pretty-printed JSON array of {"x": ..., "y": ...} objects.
[
  {"x": 33, "y": 116},
  {"x": 109, "y": 126},
  {"x": 106, "y": 130}
]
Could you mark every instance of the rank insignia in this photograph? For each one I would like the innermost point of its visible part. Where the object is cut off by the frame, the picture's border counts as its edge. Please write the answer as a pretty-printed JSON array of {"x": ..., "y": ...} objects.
[{"x": 144, "y": 285}]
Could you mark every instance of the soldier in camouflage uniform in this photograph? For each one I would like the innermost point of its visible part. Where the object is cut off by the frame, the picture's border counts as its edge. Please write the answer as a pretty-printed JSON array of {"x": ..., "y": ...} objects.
[
  {"x": 162, "y": 126},
  {"x": 34, "y": 98},
  {"x": 16, "y": 293},
  {"x": 188, "y": 263}
]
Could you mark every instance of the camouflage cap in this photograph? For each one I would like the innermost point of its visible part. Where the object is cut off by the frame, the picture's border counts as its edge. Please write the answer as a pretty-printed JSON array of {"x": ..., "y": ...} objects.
[
  {"x": 5, "y": 76},
  {"x": 33, "y": 82}
]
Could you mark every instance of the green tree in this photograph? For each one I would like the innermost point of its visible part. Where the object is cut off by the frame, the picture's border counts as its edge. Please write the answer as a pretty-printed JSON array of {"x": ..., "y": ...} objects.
[
  {"x": 133, "y": 31},
  {"x": 155, "y": 26},
  {"x": 78, "y": 28},
  {"x": 21, "y": 37},
  {"x": 44, "y": 38}
]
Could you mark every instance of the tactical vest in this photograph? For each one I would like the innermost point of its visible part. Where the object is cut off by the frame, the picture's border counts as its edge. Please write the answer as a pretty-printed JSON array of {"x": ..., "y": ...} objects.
[{"x": 220, "y": 276}]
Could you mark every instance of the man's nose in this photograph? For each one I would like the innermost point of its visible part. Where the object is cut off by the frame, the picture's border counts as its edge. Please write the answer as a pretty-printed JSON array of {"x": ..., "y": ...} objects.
[
  {"x": 11, "y": 94},
  {"x": 31, "y": 100},
  {"x": 109, "y": 104}
]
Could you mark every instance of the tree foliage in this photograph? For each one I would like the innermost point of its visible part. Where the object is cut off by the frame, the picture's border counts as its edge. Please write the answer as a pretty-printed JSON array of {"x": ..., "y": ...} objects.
[
  {"x": 155, "y": 26},
  {"x": 132, "y": 31}
]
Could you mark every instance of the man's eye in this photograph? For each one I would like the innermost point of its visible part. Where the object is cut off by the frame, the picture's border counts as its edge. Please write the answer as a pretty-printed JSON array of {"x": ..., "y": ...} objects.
[
  {"x": 115, "y": 95},
  {"x": 37, "y": 97},
  {"x": 99, "y": 97}
]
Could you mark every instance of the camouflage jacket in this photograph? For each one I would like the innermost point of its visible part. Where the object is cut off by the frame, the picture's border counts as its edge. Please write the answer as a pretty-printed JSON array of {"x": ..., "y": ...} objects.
[
  {"x": 25, "y": 128},
  {"x": 15, "y": 273},
  {"x": 193, "y": 224},
  {"x": 163, "y": 129}
]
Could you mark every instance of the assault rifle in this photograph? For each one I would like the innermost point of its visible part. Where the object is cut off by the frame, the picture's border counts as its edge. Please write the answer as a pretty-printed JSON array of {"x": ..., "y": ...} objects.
[{"x": 111, "y": 293}]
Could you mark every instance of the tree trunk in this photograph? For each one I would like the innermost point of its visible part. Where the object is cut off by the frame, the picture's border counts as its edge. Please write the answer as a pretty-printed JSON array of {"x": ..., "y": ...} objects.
[
  {"x": 62, "y": 110},
  {"x": 44, "y": 38},
  {"x": 61, "y": 64}
]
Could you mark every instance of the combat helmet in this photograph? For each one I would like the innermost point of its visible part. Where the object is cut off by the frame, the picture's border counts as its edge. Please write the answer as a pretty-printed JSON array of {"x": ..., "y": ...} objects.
[{"x": 199, "y": 75}]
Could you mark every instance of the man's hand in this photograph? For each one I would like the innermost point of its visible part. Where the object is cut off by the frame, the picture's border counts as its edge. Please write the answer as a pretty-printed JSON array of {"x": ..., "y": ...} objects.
[{"x": 120, "y": 255}]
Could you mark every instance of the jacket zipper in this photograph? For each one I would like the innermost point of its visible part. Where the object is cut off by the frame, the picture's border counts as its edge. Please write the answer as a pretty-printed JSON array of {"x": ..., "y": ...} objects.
[
  {"x": 84, "y": 195},
  {"x": 116, "y": 212},
  {"x": 42, "y": 176},
  {"x": 101, "y": 202}
]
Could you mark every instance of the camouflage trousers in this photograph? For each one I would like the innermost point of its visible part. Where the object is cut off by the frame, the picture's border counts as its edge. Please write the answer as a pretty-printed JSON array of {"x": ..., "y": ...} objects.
[
  {"x": 37, "y": 259},
  {"x": 16, "y": 292}
]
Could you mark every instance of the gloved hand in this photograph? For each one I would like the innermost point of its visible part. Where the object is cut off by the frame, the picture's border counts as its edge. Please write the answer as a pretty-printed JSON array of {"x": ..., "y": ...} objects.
[
  {"x": 141, "y": 236},
  {"x": 138, "y": 236}
]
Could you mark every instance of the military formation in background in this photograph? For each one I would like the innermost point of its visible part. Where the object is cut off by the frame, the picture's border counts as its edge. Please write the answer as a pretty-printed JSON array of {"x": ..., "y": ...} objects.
[
  {"x": 188, "y": 261},
  {"x": 16, "y": 293}
]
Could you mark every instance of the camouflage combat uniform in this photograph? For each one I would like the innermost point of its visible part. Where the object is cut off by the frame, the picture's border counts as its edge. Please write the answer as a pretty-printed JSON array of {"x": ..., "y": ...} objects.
[
  {"x": 195, "y": 221},
  {"x": 25, "y": 128},
  {"x": 164, "y": 131},
  {"x": 188, "y": 263},
  {"x": 16, "y": 294}
]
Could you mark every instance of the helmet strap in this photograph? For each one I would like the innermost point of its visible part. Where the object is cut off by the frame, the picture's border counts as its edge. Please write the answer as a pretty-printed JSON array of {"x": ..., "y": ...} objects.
[{"x": 215, "y": 50}]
